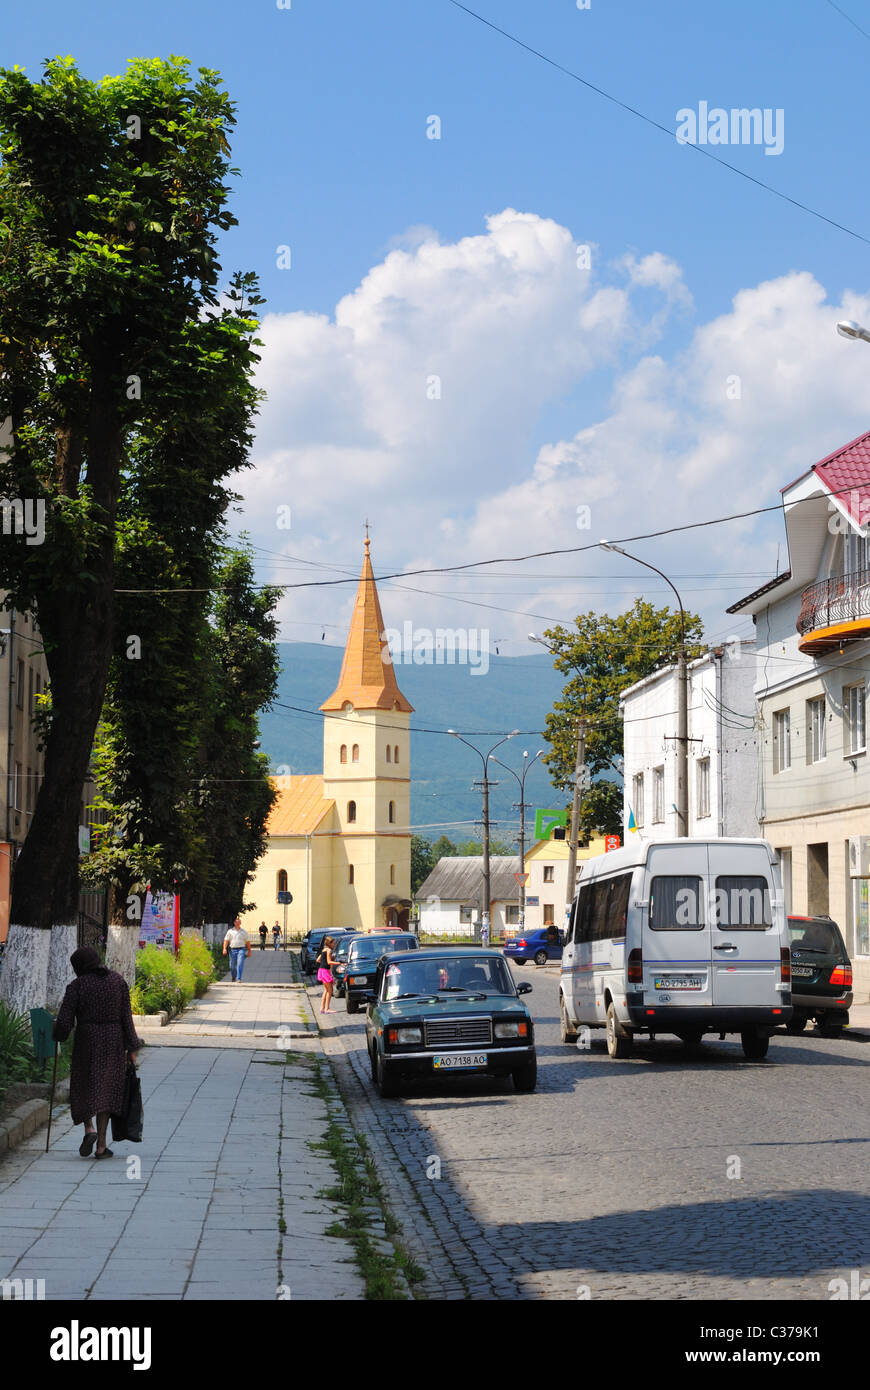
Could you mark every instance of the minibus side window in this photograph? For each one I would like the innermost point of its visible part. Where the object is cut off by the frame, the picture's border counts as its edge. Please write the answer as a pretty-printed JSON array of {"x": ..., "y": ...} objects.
[
  {"x": 601, "y": 897},
  {"x": 617, "y": 906},
  {"x": 583, "y": 920},
  {"x": 743, "y": 903},
  {"x": 676, "y": 903}
]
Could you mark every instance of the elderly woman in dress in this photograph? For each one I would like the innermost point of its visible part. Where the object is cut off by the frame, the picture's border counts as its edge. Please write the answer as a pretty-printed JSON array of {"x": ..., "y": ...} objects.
[{"x": 97, "y": 1005}]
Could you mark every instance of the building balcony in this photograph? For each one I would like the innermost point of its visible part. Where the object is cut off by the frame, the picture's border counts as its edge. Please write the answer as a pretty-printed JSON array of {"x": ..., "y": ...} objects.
[{"x": 835, "y": 611}]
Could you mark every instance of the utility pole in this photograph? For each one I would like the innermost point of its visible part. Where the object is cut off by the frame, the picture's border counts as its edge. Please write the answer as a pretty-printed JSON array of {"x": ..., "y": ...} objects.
[
  {"x": 484, "y": 758},
  {"x": 521, "y": 779},
  {"x": 574, "y": 832}
]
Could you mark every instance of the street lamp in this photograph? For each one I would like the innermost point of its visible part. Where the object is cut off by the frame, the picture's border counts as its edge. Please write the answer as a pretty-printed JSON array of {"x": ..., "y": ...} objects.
[
  {"x": 848, "y": 328},
  {"x": 579, "y": 763},
  {"x": 484, "y": 758},
  {"x": 522, "y": 781},
  {"x": 682, "y": 697}
]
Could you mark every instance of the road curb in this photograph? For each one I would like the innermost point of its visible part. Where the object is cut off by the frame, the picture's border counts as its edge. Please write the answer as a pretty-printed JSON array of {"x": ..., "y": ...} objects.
[{"x": 26, "y": 1118}]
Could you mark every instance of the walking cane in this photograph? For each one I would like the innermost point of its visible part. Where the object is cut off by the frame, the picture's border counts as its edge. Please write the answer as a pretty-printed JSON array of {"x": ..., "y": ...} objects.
[{"x": 51, "y": 1099}]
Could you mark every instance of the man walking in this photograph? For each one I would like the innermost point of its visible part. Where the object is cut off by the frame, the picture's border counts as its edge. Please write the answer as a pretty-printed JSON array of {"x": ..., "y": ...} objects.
[
  {"x": 276, "y": 936},
  {"x": 236, "y": 942},
  {"x": 263, "y": 929}
]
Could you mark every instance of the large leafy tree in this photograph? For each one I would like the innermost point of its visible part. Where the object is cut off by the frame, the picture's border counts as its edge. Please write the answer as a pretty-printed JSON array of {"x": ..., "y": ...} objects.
[
  {"x": 114, "y": 353},
  {"x": 602, "y": 656}
]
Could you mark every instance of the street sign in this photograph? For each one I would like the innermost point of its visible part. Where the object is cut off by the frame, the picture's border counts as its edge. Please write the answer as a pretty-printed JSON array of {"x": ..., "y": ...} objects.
[
  {"x": 285, "y": 897},
  {"x": 522, "y": 879},
  {"x": 611, "y": 842},
  {"x": 533, "y": 902},
  {"x": 546, "y": 822}
]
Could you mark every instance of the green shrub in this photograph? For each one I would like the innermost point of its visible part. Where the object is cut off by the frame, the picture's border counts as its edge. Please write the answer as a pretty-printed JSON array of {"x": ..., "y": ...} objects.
[
  {"x": 195, "y": 955},
  {"x": 158, "y": 983},
  {"x": 16, "y": 1049}
]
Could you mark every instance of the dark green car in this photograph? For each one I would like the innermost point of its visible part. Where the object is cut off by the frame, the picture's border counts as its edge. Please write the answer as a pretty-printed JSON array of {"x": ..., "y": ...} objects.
[
  {"x": 448, "y": 1012},
  {"x": 821, "y": 976}
]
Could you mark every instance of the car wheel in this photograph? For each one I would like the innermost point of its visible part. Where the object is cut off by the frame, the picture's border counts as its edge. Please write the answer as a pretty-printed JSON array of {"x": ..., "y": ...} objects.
[
  {"x": 755, "y": 1045},
  {"x": 690, "y": 1037},
  {"x": 525, "y": 1078},
  {"x": 567, "y": 1031},
  {"x": 387, "y": 1085},
  {"x": 541, "y": 958},
  {"x": 797, "y": 1023},
  {"x": 829, "y": 1028},
  {"x": 618, "y": 1041},
  {"x": 351, "y": 1005},
  {"x": 519, "y": 960}
]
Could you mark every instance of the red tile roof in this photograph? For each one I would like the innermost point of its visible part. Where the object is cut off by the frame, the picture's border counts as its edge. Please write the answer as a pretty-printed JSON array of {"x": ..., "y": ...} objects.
[{"x": 846, "y": 472}]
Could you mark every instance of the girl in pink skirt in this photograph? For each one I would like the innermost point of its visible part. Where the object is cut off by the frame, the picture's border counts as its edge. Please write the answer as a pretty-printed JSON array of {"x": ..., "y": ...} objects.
[{"x": 325, "y": 975}]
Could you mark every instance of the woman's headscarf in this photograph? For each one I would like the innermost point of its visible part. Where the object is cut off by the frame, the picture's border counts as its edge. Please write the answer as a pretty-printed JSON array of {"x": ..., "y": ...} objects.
[{"x": 86, "y": 961}]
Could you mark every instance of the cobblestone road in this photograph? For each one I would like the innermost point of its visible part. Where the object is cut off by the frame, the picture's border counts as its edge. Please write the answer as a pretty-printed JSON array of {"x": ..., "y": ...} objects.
[{"x": 614, "y": 1176}]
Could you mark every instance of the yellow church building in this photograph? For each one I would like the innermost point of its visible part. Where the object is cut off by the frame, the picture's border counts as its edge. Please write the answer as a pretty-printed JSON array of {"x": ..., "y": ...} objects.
[{"x": 341, "y": 842}]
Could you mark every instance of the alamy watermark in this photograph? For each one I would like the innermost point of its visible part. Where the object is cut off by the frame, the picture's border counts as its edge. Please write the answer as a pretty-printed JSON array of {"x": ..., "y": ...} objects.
[
  {"x": 441, "y": 646},
  {"x": 23, "y": 516},
  {"x": 739, "y": 126}
]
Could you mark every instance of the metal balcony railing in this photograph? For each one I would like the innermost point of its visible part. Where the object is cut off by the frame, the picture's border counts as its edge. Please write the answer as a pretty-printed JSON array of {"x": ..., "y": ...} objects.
[{"x": 844, "y": 598}]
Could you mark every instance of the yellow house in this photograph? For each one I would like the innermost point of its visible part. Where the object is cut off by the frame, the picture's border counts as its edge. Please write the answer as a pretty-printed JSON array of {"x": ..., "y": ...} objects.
[
  {"x": 547, "y": 887},
  {"x": 341, "y": 842}
]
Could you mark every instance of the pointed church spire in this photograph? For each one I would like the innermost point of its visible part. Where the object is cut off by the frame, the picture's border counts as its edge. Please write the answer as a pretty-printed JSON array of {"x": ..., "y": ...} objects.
[{"x": 367, "y": 679}]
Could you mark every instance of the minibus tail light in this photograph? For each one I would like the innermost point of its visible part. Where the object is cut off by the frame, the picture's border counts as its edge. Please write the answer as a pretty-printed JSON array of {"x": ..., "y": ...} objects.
[
  {"x": 635, "y": 966},
  {"x": 842, "y": 975},
  {"x": 785, "y": 964}
]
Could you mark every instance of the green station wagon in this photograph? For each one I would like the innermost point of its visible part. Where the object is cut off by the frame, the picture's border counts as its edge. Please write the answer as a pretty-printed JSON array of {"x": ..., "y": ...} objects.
[{"x": 448, "y": 1012}]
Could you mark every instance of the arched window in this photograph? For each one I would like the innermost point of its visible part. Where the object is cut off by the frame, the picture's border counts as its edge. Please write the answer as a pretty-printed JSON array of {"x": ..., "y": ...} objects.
[
  {"x": 342, "y": 757},
  {"x": 350, "y": 873},
  {"x": 354, "y": 757},
  {"x": 396, "y": 753},
  {"x": 392, "y": 873},
  {"x": 392, "y": 812},
  {"x": 282, "y": 880},
  {"x": 351, "y": 810},
  {"x": 389, "y": 752}
]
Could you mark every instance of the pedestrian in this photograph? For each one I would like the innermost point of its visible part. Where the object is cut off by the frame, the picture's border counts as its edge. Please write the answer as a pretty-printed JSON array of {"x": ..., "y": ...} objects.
[
  {"x": 276, "y": 935},
  {"x": 262, "y": 930},
  {"x": 97, "y": 1005},
  {"x": 236, "y": 941},
  {"x": 325, "y": 975}
]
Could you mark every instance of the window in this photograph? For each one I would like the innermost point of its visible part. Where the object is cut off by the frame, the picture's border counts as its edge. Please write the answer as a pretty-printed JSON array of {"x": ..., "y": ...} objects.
[
  {"x": 856, "y": 553},
  {"x": 282, "y": 881},
  {"x": 548, "y": 873},
  {"x": 396, "y": 753},
  {"x": 511, "y": 915},
  {"x": 854, "y": 708},
  {"x": 389, "y": 752},
  {"x": 613, "y": 925},
  {"x": 342, "y": 757},
  {"x": 465, "y": 916},
  {"x": 703, "y": 772},
  {"x": 658, "y": 794},
  {"x": 16, "y": 795},
  {"x": 861, "y": 916},
  {"x": 354, "y": 757},
  {"x": 742, "y": 903},
  {"x": 392, "y": 873},
  {"x": 28, "y": 795},
  {"x": 815, "y": 730},
  {"x": 350, "y": 873},
  {"x": 781, "y": 740},
  {"x": 549, "y": 914},
  {"x": 30, "y": 690},
  {"x": 351, "y": 811},
  {"x": 676, "y": 903},
  {"x": 785, "y": 870},
  {"x": 19, "y": 698},
  {"x": 638, "y": 793},
  {"x": 392, "y": 812}
]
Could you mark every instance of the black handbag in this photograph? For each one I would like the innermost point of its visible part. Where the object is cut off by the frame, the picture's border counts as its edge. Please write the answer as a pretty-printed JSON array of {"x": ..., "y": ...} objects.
[{"x": 128, "y": 1123}]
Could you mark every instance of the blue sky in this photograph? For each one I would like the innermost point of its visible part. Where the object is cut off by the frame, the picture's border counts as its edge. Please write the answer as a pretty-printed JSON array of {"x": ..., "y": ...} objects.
[{"x": 333, "y": 98}]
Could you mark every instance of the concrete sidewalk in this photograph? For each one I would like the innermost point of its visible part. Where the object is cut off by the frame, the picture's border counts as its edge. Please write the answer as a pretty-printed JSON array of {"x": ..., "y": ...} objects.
[
  {"x": 220, "y": 1200},
  {"x": 269, "y": 999}
]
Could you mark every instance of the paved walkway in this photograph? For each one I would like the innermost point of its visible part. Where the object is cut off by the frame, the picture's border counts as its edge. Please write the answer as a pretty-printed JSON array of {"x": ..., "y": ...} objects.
[
  {"x": 269, "y": 999},
  {"x": 220, "y": 1200}
]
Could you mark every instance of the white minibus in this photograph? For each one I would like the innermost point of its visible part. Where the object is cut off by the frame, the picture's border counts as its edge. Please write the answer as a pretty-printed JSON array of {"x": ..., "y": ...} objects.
[{"x": 678, "y": 936}]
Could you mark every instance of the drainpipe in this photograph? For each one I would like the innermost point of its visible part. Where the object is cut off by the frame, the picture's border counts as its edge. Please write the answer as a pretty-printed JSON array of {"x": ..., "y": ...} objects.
[
  {"x": 10, "y": 732},
  {"x": 720, "y": 778}
]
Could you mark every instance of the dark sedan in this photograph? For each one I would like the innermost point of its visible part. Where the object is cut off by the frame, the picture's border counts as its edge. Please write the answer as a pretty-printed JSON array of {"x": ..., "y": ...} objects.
[
  {"x": 362, "y": 963},
  {"x": 446, "y": 1012},
  {"x": 821, "y": 976},
  {"x": 312, "y": 942}
]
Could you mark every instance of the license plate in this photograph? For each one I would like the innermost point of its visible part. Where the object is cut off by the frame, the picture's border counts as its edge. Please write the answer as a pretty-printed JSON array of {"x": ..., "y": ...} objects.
[
  {"x": 679, "y": 982},
  {"x": 460, "y": 1061},
  {"x": 802, "y": 970}
]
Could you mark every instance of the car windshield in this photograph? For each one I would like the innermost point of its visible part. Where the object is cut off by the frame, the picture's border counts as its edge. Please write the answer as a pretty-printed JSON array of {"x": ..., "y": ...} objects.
[
  {"x": 424, "y": 975},
  {"x": 818, "y": 937},
  {"x": 374, "y": 947}
]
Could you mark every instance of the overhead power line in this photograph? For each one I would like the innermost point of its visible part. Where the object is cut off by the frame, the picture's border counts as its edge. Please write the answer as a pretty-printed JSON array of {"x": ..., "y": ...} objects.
[{"x": 657, "y": 125}]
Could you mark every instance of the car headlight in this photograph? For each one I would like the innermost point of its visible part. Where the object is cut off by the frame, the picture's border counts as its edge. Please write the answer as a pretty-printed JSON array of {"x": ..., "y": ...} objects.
[
  {"x": 407, "y": 1035},
  {"x": 512, "y": 1030}
]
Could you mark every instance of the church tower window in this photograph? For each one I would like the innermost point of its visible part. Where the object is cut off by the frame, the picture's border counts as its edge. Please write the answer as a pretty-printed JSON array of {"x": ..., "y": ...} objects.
[
  {"x": 392, "y": 873},
  {"x": 396, "y": 753},
  {"x": 354, "y": 757},
  {"x": 392, "y": 812},
  {"x": 342, "y": 757},
  {"x": 282, "y": 880},
  {"x": 389, "y": 751},
  {"x": 350, "y": 873},
  {"x": 351, "y": 811}
]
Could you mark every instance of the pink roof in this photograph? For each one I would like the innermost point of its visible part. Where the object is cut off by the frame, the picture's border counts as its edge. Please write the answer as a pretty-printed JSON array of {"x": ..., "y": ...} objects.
[{"x": 847, "y": 472}]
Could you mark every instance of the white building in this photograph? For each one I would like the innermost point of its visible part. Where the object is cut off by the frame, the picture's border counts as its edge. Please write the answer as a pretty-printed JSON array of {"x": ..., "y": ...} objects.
[
  {"x": 450, "y": 898},
  {"x": 722, "y": 747}
]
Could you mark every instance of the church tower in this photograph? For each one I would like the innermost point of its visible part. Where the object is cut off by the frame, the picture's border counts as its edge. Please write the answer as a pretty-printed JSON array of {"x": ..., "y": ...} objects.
[{"x": 366, "y": 771}]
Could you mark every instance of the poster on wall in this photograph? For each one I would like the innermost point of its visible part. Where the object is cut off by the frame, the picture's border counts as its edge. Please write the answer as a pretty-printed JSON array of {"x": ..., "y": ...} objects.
[{"x": 159, "y": 926}]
